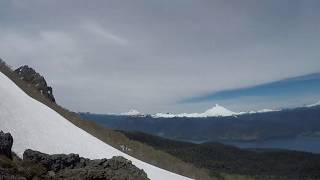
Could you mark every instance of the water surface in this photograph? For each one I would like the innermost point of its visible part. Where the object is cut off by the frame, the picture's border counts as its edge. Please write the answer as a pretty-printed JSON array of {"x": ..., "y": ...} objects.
[{"x": 308, "y": 144}]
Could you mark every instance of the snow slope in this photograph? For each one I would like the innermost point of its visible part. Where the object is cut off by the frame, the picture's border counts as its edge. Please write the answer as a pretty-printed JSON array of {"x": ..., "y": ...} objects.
[{"x": 36, "y": 126}]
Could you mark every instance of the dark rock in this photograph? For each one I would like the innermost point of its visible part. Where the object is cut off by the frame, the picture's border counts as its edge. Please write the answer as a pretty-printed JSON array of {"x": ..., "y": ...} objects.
[
  {"x": 58, "y": 162},
  {"x": 37, "y": 165},
  {"x": 31, "y": 76},
  {"x": 74, "y": 167},
  {"x": 6, "y": 142},
  {"x": 53, "y": 162}
]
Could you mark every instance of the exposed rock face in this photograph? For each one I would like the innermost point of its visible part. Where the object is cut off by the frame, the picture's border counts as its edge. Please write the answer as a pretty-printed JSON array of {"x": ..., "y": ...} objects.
[
  {"x": 31, "y": 76},
  {"x": 6, "y": 142},
  {"x": 74, "y": 167}
]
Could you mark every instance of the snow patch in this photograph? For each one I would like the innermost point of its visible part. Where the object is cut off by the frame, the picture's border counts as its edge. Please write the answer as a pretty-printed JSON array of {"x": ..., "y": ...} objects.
[{"x": 35, "y": 126}]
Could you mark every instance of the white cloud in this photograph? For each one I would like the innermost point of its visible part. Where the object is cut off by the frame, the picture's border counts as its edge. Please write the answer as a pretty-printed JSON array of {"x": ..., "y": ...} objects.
[{"x": 98, "y": 30}]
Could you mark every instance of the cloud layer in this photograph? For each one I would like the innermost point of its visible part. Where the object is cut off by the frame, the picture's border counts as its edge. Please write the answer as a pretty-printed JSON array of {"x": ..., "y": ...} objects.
[{"x": 111, "y": 56}]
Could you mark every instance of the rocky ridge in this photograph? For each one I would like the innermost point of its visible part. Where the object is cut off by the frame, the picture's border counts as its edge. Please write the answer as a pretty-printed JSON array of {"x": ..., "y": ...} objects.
[{"x": 29, "y": 75}]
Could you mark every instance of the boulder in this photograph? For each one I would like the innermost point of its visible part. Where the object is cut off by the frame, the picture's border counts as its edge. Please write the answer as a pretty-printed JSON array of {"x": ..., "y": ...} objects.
[{"x": 6, "y": 142}]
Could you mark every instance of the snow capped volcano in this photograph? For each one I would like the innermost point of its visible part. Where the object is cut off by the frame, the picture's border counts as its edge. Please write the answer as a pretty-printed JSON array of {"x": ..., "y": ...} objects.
[
  {"x": 36, "y": 126},
  {"x": 216, "y": 111}
]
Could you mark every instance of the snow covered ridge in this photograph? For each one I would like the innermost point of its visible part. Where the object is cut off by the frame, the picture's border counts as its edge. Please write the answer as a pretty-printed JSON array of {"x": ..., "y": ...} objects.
[
  {"x": 313, "y": 105},
  {"x": 36, "y": 126}
]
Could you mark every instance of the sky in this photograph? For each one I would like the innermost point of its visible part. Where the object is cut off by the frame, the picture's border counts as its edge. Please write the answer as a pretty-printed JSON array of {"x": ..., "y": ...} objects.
[{"x": 154, "y": 56}]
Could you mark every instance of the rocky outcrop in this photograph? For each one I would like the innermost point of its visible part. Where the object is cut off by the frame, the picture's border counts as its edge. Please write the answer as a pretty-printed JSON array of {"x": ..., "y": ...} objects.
[
  {"x": 6, "y": 142},
  {"x": 37, "y": 165},
  {"x": 29, "y": 75},
  {"x": 72, "y": 166}
]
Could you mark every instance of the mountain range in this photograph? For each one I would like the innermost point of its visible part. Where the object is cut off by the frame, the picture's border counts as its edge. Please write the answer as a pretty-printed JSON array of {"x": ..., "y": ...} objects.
[
  {"x": 215, "y": 111},
  {"x": 220, "y": 124}
]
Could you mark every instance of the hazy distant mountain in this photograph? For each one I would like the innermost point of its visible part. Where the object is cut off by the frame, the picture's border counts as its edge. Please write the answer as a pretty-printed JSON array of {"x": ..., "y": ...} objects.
[
  {"x": 215, "y": 111},
  {"x": 258, "y": 125}
]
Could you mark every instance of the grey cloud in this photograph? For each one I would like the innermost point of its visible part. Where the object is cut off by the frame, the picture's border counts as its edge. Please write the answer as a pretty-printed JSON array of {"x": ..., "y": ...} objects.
[{"x": 148, "y": 54}]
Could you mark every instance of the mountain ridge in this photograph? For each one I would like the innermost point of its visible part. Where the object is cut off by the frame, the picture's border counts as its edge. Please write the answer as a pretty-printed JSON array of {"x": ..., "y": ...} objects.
[
  {"x": 245, "y": 127},
  {"x": 215, "y": 111}
]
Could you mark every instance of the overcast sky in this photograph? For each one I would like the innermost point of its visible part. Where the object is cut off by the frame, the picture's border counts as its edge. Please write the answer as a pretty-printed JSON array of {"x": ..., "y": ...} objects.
[{"x": 114, "y": 55}]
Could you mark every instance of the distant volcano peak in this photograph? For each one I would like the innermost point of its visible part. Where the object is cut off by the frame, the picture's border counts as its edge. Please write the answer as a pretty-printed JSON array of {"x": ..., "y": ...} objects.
[{"x": 218, "y": 110}]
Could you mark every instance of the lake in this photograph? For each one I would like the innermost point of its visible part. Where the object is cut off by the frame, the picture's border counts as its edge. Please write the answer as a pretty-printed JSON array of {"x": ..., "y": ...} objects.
[{"x": 308, "y": 144}]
